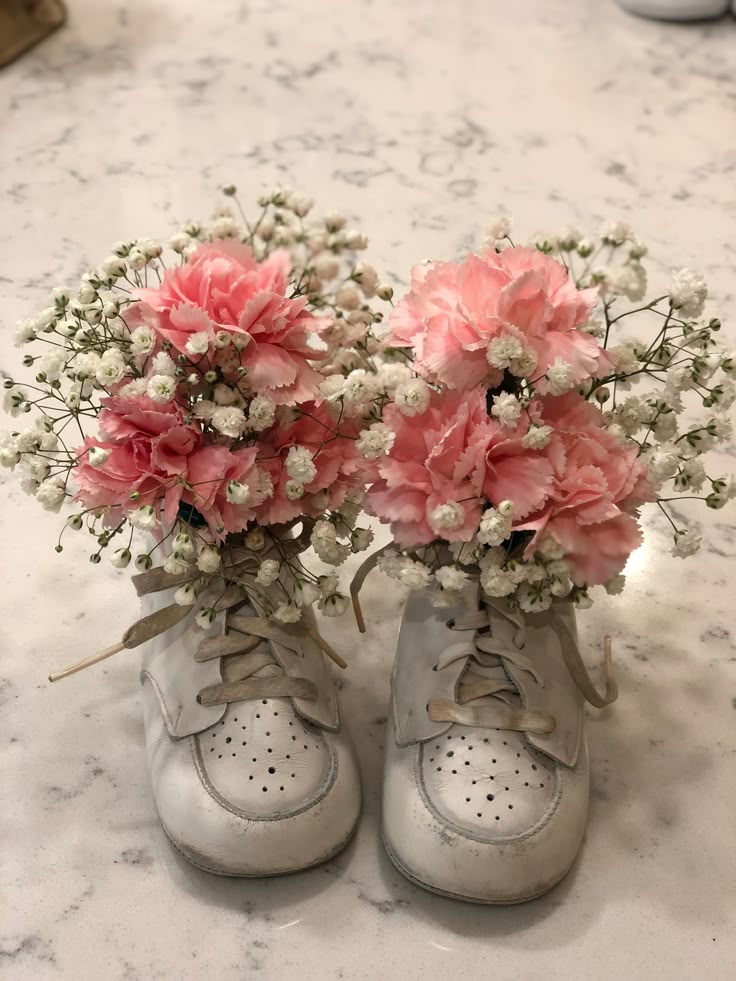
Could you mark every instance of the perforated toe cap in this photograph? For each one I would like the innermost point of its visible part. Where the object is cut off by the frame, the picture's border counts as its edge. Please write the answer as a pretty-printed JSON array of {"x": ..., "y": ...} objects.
[
  {"x": 487, "y": 784},
  {"x": 264, "y": 760}
]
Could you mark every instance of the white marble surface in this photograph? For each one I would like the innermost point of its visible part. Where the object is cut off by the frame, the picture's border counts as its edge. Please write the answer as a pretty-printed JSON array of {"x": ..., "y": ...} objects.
[{"x": 421, "y": 119}]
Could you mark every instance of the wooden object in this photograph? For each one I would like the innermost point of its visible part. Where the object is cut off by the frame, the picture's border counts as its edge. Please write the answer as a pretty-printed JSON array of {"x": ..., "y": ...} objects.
[{"x": 24, "y": 23}]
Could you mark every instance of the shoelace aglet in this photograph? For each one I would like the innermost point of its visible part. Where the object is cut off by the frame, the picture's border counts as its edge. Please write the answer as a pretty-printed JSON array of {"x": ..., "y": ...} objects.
[
  {"x": 326, "y": 649},
  {"x": 92, "y": 659}
]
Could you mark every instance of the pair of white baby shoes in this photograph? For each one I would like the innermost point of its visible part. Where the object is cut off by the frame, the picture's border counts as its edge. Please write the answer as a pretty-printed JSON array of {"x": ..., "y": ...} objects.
[{"x": 486, "y": 770}]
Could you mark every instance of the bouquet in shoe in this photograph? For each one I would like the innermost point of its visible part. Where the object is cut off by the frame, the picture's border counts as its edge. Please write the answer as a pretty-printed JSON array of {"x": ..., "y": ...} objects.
[
  {"x": 211, "y": 393},
  {"x": 544, "y": 412}
]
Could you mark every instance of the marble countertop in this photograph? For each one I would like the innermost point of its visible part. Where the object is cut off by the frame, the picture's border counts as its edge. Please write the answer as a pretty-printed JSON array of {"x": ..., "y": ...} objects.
[{"x": 421, "y": 120}]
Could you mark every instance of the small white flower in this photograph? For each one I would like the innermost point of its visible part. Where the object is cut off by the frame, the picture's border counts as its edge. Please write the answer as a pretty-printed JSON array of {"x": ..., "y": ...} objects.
[
  {"x": 305, "y": 593},
  {"x": 663, "y": 462},
  {"x": 334, "y": 221},
  {"x": 205, "y": 409},
  {"x": 355, "y": 240},
  {"x": 134, "y": 388},
  {"x": 560, "y": 586},
  {"x": 328, "y": 585},
  {"x": 498, "y": 229},
  {"x": 25, "y": 332},
  {"x": 359, "y": 388},
  {"x": 375, "y": 441},
  {"x": 186, "y": 595},
  {"x": 229, "y": 420},
  {"x": 366, "y": 277},
  {"x": 268, "y": 572},
  {"x": 142, "y": 341},
  {"x": 299, "y": 203},
  {"x": 559, "y": 377},
  {"x": 334, "y": 605},
  {"x": 114, "y": 266},
  {"x": 51, "y": 364},
  {"x": 121, "y": 558},
  {"x": 412, "y": 397},
  {"x": 536, "y": 437},
  {"x": 97, "y": 456},
  {"x": 630, "y": 280},
  {"x": 497, "y": 583},
  {"x": 691, "y": 476},
  {"x": 534, "y": 597},
  {"x": 198, "y": 343},
  {"x": 50, "y": 495},
  {"x": 526, "y": 365},
  {"x": 326, "y": 266},
  {"x": 390, "y": 563},
  {"x": 161, "y": 388},
  {"x": 294, "y": 490},
  {"x": 624, "y": 358},
  {"x": 299, "y": 465},
  {"x": 176, "y": 565},
  {"x": 687, "y": 543},
  {"x": 415, "y": 575},
  {"x": 616, "y": 585},
  {"x": 205, "y": 618},
  {"x": 162, "y": 364},
  {"x": 688, "y": 292},
  {"x": 208, "y": 560},
  {"x": 446, "y": 517},
  {"x": 451, "y": 578},
  {"x": 86, "y": 364},
  {"x": 183, "y": 545},
  {"x": 144, "y": 517},
  {"x": 261, "y": 413},
  {"x": 503, "y": 350},
  {"x": 287, "y": 613},
  {"x": 615, "y": 232},
  {"x": 360, "y": 539},
  {"x": 393, "y": 374},
  {"x": 237, "y": 493},
  {"x": 348, "y": 297},
  {"x": 9, "y": 451},
  {"x": 494, "y": 527},
  {"x": 507, "y": 409}
]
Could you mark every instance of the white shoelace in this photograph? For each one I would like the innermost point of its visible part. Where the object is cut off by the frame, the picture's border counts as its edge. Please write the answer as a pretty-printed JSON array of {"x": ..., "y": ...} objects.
[{"x": 486, "y": 698}]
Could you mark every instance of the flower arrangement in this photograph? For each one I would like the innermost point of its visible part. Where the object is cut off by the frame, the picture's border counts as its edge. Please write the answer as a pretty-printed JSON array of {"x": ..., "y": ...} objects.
[
  {"x": 216, "y": 392},
  {"x": 211, "y": 393},
  {"x": 535, "y": 426}
]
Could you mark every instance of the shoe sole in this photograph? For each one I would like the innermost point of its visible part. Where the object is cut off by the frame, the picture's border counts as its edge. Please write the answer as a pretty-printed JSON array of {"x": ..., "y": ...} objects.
[
  {"x": 264, "y": 875},
  {"x": 400, "y": 867}
]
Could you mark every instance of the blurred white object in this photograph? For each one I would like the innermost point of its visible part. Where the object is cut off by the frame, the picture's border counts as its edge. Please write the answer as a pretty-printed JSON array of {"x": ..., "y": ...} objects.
[{"x": 677, "y": 9}]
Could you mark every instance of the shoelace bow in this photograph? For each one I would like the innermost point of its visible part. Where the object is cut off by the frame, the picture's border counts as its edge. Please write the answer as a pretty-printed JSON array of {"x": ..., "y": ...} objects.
[{"x": 493, "y": 698}]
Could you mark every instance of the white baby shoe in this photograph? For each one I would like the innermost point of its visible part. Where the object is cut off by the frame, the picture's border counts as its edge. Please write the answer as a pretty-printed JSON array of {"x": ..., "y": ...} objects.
[
  {"x": 677, "y": 9},
  {"x": 486, "y": 777},
  {"x": 252, "y": 773}
]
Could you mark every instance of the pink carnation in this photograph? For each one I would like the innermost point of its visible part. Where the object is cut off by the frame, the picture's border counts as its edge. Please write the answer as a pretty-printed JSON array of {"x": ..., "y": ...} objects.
[
  {"x": 597, "y": 482},
  {"x": 340, "y": 468},
  {"x": 158, "y": 455},
  {"x": 454, "y": 310},
  {"x": 222, "y": 287},
  {"x": 453, "y": 453}
]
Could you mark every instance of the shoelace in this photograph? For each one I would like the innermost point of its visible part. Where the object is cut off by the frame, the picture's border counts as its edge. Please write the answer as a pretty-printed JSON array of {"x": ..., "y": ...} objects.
[
  {"x": 256, "y": 673},
  {"x": 493, "y": 698},
  {"x": 242, "y": 638}
]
